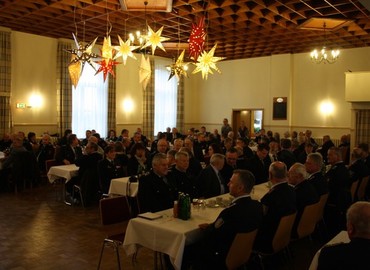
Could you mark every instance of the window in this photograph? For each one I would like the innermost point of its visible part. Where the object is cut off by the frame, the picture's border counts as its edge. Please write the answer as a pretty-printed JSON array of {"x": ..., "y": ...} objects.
[
  {"x": 165, "y": 97},
  {"x": 90, "y": 103}
]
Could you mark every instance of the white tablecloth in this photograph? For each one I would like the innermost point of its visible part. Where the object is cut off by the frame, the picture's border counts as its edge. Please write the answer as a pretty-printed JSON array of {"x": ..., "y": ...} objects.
[
  {"x": 170, "y": 235},
  {"x": 341, "y": 237},
  {"x": 62, "y": 171},
  {"x": 118, "y": 186}
]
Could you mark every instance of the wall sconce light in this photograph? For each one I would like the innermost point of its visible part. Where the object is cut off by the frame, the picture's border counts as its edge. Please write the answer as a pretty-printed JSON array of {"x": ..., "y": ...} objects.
[
  {"x": 35, "y": 101},
  {"x": 326, "y": 108},
  {"x": 128, "y": 105}
]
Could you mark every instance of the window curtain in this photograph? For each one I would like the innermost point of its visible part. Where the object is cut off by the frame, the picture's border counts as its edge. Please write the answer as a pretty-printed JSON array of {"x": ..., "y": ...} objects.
[
  {"x": 111, "y": 102},
  {"x": 5, "y": 83},
  {"x": 180, "y": 105},
  {"x": 362, "y": 127},
  {"x": 148, "y": 104},
  {"x": 64, "y": 88}
]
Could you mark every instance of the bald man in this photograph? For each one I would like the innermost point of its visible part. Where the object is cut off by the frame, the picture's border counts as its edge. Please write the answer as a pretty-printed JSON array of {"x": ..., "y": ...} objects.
[{"x": 352, "y": 255}]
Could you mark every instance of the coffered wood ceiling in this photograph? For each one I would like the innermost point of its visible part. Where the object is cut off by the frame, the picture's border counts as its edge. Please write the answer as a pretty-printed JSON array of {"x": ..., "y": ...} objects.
[{"x": 241, "y": 28}]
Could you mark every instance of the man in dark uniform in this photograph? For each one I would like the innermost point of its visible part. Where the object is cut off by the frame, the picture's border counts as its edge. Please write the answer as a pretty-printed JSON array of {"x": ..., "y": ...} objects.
[
  {"x": 353, "y": 255},
  {"x": 305, "y": 192},
  {"x": 313, "y": 164},
  {"x": 155, "y": 191},
  {"x": 280, "y": 201},
  {"x": 243, "y": 215},
  {"x": 339, "y": 192}
]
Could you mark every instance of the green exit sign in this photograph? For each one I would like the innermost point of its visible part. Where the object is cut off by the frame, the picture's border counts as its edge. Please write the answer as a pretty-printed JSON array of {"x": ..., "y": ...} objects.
[{"x": 21, "y": 105}]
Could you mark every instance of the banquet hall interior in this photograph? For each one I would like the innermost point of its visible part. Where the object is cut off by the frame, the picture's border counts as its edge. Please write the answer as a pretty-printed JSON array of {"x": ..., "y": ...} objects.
[{"x": 263, "y": 71}]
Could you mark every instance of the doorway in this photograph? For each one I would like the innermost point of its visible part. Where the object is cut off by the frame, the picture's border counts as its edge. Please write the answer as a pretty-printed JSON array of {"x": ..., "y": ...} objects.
[{"x": 253, "y": 119}]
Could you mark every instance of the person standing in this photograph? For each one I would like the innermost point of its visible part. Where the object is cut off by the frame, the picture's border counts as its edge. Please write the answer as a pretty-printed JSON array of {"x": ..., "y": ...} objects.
[{"x": 226, "y": 128}]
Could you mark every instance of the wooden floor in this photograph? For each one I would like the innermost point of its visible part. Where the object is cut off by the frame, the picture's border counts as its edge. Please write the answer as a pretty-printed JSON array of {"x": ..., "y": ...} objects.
[{"x": 37, "y": 231}]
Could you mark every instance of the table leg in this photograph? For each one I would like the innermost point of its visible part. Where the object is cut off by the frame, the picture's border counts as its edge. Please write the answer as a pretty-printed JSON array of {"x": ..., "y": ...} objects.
[{"x": 65, "y": 194}]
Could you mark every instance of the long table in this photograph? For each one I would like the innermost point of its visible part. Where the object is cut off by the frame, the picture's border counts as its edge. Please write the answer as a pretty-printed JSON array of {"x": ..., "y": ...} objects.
[
  {"x": 122, "y": 186},
  {"x": 169, "y": 235}
]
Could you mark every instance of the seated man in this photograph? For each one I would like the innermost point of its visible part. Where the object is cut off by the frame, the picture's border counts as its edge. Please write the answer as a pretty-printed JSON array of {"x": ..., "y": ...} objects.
[
  {"x": 280, "y": 201},
  {"x": 243, "y": 215},
  {"x": 155, "y": 191},
  {"x": 352, "y": 255},
  {"x": 70, "y": 152},
  {"x": 178, "y": 176},
  {"x": 339, "y": 192},
  {"x": 210, "y": 182},
  {"x": 313, "y": 164},
  {"x": 45, "y": 151},
  {"x": 259, "y": 164},
  {"x": 305, "y": 192}
]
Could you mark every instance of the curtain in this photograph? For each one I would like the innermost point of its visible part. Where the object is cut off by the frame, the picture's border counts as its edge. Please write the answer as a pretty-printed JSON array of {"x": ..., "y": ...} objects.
[
  {"x": 5, "y": 83},
  {"x": 148, "y": 105},
  {"x": 180, "y": 106},
  {"x": 165, "y": 97},
  {"x": 64, "y": 88},
  {"x": 111, "y": 102},
  {"x": 362, "y": 126},
  {"x": 90, "y": 103}
]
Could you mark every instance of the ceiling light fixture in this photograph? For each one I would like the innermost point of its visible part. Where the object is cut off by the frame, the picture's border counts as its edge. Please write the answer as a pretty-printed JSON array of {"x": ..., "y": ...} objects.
[{"x": 324, "y": 55}]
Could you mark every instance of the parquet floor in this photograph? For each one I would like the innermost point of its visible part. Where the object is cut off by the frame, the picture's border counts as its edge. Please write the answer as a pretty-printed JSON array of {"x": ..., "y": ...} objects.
[{"x": 39, "y": 232}]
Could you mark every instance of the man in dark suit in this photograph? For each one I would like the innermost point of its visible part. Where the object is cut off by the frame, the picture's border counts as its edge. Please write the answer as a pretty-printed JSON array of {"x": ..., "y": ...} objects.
[
  {"x": 313, "y": 164},
  {"x": 305, "y": 192},
  {"x": 358, "y": 168},
  {"x": 339, "y": 198},
  {"x": 259, "y": 163},
  {"x": 355, "y": 254},
  {"x": 210, "y": 182},
  {"x": 285, "y": 154},
  {"x": 178, "y": 176},
  {"x": 69, "y": 153},
  {"x": 323, "y": 150},
  {"x": 107, "y": 169},
  {"x": 195, "y": 149},
  {"x": 243, "y": 215},
  {"x": 280, "y": 201},
  {"x": 155, "y": 191}
]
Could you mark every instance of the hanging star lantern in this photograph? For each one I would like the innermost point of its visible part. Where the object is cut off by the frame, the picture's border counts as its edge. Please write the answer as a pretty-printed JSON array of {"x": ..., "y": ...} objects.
[
  {"x": 154, "y": 39},
  {"x": 197, "y": 39},
  {"x": 206, "y": 62},
  {"x": 125, "y": 49},
  {"x": 107, "y": 49},
  {"x": 178, "y": 68},
  {"x": 83, "y": 53},
  {"x": 145, "y": 71},
  {"x": 106, "y": 66},
  {"x": 75, "y": 70}
]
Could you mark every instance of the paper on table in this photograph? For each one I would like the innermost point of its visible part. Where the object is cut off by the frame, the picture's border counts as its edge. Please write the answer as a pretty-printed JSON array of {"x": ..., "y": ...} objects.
[{"x": 149, "y": 215}]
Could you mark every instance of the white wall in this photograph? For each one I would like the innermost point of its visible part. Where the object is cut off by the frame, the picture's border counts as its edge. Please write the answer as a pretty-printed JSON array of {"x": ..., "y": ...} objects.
[{"x": 243, "y": 84}]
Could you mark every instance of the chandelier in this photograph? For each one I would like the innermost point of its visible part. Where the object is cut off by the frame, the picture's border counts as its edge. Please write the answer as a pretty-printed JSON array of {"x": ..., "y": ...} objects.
[{"x": 324, "y": 55}]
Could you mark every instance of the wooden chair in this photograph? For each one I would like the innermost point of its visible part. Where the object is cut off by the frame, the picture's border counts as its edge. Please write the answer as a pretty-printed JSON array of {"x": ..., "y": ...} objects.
[
  {"x": 308, "y": 221},
  {"x": 24, "y": 170},
  {"x": 362, "y": 188},
  {"x": 282, "y": 237},
  {"x": 354, "y": 188},
  {"x": 240, "y": 250},
  {"x": 320, "y": 213},
  {"x": 114, "y": 210}
]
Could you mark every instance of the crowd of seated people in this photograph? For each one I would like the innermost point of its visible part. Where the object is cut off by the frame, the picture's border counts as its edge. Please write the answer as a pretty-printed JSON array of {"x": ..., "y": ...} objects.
[{"x": 207, "y": 160}]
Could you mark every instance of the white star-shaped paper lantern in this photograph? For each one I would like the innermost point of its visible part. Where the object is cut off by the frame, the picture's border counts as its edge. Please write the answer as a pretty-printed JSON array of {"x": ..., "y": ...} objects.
[
  {"x": 154, "y": 39},
  {"x": 145, "y": 71},
  {"x": 125, "y": 49},
  {"x": 107, "y": 49},
  {"x": 206, "y": 62}
]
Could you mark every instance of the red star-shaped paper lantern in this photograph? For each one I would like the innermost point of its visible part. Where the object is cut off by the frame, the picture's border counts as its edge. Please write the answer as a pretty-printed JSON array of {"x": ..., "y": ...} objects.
[
  {"x": 197, "y": 39},
  {"x": 106, "y": 66}
]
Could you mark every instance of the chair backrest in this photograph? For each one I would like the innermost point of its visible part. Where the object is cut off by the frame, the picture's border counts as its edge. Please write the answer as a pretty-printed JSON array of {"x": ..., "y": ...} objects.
[
  {"x": 322, "y": 203},
  {"x": 354, "y": 189},
  {"x": 308, "y": 221},
  {"x": 25, "y": 166},
  {"x": 240, "y": 250},
  {"x": 362, "y": 188},
  {"x": 114, "y": 210},
  {"x": 50, "y": 163},
  {"x": 282, "y": 235}
]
